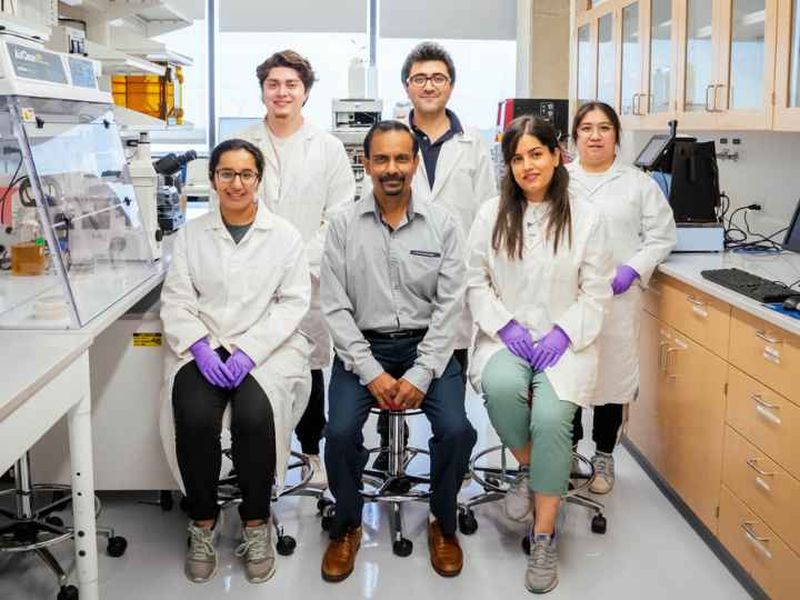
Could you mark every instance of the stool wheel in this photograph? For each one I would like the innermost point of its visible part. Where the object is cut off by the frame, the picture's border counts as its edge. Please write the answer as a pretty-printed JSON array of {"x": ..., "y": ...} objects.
[
  {"x": 326, "y": 522},
  {"x": 403, "y": 547},
  {"x": 599, "y": 524},
  {"x": 68, "y": 592},
  {"x": 116, "y": 546},
  {"x": 467, "y": 523},
  {"x": 322, "y": 505},
  {"x": 54, "y": 520},
  {"x": 286, "y": 545}
]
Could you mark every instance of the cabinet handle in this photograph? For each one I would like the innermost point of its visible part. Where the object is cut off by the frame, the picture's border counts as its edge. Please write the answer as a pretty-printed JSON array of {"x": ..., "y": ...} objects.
[
  {"x": 761, "y": 334},
  {"x": 709, "y": 88},
  {"x": 633, "y": 104},
  {"x": 753, "y": 464},
  {"x": 719, "y": 85},
  {"x": 680, "y": 346},
  {"x": 754, "y": 539},
  {"x": 763, "y": 408},
  {"x": 698, "y": 306}
]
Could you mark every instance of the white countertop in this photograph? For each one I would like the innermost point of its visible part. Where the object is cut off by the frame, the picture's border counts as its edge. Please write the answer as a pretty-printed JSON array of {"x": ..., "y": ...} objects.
[
  {"x": 31, "y": 360},
  {"x": 783, "y": 267}
]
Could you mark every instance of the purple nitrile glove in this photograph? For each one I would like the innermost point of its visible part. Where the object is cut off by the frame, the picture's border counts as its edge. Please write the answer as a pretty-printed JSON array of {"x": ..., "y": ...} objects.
[
  {"x": 623, "y": 279},
  {"x": 210, "y": 364},
  {"x": 549, "y": 349},
  {"x": 517, "y": 338},
  {"x": 239, "y": 364}
]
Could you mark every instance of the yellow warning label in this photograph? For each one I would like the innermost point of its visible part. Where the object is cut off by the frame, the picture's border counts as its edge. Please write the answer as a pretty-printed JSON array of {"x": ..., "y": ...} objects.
[
  {"x": 28, "y": 115},
  {"x": 147, "y": 339}
]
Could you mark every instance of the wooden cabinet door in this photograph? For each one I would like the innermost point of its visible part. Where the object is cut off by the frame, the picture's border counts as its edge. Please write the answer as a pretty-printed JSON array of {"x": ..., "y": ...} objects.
[{"x": 692, "y": 419}]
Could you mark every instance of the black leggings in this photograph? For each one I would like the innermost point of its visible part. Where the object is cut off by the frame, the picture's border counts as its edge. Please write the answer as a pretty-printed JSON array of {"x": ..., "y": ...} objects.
[
  {"x": 312, "y": 423},
  {"x": 198, "y": 407},
  {"x": 605, "y": 429}
]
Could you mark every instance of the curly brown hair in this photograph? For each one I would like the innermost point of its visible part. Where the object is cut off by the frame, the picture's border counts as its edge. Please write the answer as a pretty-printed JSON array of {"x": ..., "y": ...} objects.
[{"x": 290, "y": 59}]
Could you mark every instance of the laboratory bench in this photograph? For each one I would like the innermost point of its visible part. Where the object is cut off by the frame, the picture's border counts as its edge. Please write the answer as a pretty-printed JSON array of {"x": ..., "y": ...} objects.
[{"x": 717, "y": 419}]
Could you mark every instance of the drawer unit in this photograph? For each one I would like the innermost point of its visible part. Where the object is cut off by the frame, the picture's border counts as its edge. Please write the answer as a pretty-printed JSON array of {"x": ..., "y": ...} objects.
[
  {"x": 762, "y": 554},
  {"x": 700, "y": 316},
  {"x": 766, "y": 352},
  {"x": 766, "y": 419},
  {"x": 768, "y": 490}
]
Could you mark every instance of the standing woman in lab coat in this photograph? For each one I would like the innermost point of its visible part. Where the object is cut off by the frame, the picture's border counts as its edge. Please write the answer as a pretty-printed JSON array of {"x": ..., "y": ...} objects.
[
  {"x": 236, "y": 291},
  {"x": 307, "y": 176},
  {"x": 537, "y": 286},
  {"x": 641, "y": 232}
]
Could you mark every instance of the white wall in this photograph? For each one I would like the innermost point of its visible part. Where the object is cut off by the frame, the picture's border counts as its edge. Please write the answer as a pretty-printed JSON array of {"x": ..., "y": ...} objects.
[{"x": 767, "y": 172}]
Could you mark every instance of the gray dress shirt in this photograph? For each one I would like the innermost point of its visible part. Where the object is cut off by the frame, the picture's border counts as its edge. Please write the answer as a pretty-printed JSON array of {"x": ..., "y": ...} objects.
[{"x": 376, "y": 278}]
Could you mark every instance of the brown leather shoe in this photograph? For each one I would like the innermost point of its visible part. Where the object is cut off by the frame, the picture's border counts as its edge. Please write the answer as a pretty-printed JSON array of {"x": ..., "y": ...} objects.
[
  {"x": 340, "y": 557},
  {"x": 446, "y": 556}
]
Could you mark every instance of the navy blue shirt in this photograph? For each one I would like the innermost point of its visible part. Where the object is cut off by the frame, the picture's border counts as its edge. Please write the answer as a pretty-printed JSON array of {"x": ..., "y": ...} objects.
[{"x": 430, "y": 151}]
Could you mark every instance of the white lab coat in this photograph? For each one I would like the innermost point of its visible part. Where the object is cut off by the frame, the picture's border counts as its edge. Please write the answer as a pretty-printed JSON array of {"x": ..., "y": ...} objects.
[
  {"x": 251, "y": 295},
  {"x": 569, "y": 289},
  {"x": 464, "y": 181},
  {"x": 641, "y": 234},
  {"x": 318, "y": 180}
]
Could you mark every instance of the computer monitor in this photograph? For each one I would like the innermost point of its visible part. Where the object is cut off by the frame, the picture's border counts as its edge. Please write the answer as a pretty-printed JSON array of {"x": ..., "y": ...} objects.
[
  {"x": 792, "y": 240},
  {"x": 652, "y": 153}
]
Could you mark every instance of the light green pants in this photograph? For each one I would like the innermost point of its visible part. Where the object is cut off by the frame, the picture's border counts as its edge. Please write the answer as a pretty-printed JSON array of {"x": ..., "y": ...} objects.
[{"x": 546, "y": 422}]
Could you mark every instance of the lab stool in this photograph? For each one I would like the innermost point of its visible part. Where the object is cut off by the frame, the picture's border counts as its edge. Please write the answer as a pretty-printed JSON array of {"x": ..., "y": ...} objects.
[
  {"x": 395, "y": 485},
  {"x": 228, "y": 494},
  {"x": 495, "y": 481},
  {"x": 33, "y": 528}
]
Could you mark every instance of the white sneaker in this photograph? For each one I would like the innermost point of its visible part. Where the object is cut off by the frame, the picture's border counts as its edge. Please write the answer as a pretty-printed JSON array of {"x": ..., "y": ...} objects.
[
  {"x": 319, "y": 477},
  {"x": 603, "y": 465},
  {"x": 517, "y": 502}
]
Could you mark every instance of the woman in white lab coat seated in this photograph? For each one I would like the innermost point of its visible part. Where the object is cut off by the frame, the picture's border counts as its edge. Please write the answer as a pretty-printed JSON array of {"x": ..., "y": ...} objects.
[
  {"x": 237, "y": 289},
  {"x": 641, "y": 232},
  {"x": 537, "y": 286}
]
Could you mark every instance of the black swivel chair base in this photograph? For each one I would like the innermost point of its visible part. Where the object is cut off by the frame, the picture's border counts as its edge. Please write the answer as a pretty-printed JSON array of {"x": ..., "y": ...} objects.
[
  {"x": 33, "y": 527},
  {"x": 395, "y": 485},
  {"x": 495, "y": 481}
]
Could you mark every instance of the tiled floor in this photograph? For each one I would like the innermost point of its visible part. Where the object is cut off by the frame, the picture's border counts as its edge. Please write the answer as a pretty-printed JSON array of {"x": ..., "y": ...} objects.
[{"x": 648, "y": 552}]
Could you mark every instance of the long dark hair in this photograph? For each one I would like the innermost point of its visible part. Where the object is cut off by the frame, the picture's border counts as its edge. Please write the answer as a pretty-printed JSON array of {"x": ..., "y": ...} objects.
[{"x": 508, "y": 227}]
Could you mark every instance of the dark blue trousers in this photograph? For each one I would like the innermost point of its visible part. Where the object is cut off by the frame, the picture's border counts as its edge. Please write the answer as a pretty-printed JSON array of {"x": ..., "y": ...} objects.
[{"x": 345, "y": 455}]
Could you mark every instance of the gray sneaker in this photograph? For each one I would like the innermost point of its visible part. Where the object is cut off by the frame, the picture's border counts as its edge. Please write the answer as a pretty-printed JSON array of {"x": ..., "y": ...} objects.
[
  {"x": 201, "y": 557},
  {"x": 603, "y": 465},
  {"x": 541, "y": 576},
  {"x": 518, "y": 499},
  {"x": 257, "y": 552}
]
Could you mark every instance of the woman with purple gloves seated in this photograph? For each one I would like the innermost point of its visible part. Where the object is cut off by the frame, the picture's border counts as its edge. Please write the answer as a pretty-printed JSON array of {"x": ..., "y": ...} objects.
[
  {"x": 237, "y": 289},
  {"x": 641, "y": 234},
  {"x": 537, "y": 286}
]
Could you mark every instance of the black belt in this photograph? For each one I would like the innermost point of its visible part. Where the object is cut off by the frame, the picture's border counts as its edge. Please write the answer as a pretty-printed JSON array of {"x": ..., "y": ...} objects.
[{"x": 400, "y": 334}]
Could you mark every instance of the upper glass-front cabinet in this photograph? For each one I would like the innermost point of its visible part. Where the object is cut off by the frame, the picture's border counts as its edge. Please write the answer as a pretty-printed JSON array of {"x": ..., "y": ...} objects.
[
  {"x": 728, "y": 63},
  {"x": 606, "y": 60},
  {"x": 787, "y": 72},
  {"x": 661, "y": 64},
  {"x": 709, "y": 63},
  {"x": 631, "y": 79}
]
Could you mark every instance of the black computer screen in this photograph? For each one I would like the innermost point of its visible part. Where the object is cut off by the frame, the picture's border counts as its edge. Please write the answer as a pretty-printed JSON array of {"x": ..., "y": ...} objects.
[
  {"x": 652, "y": 151},
  {"x": 792, "y": 240}
]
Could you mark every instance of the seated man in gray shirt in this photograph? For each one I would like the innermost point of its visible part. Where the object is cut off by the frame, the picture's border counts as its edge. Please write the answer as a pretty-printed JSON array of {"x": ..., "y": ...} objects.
[{"x": 392, "y": 287}]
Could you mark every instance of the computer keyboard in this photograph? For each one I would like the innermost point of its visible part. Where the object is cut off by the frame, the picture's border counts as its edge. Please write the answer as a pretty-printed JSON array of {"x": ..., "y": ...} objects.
[{"x": 747, "y": 284}]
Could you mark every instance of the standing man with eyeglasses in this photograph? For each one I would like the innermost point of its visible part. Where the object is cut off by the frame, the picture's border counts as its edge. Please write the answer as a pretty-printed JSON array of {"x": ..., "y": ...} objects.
[
  {"x": 455, "y": 169},
  {"x": 307, "y": 177}
]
